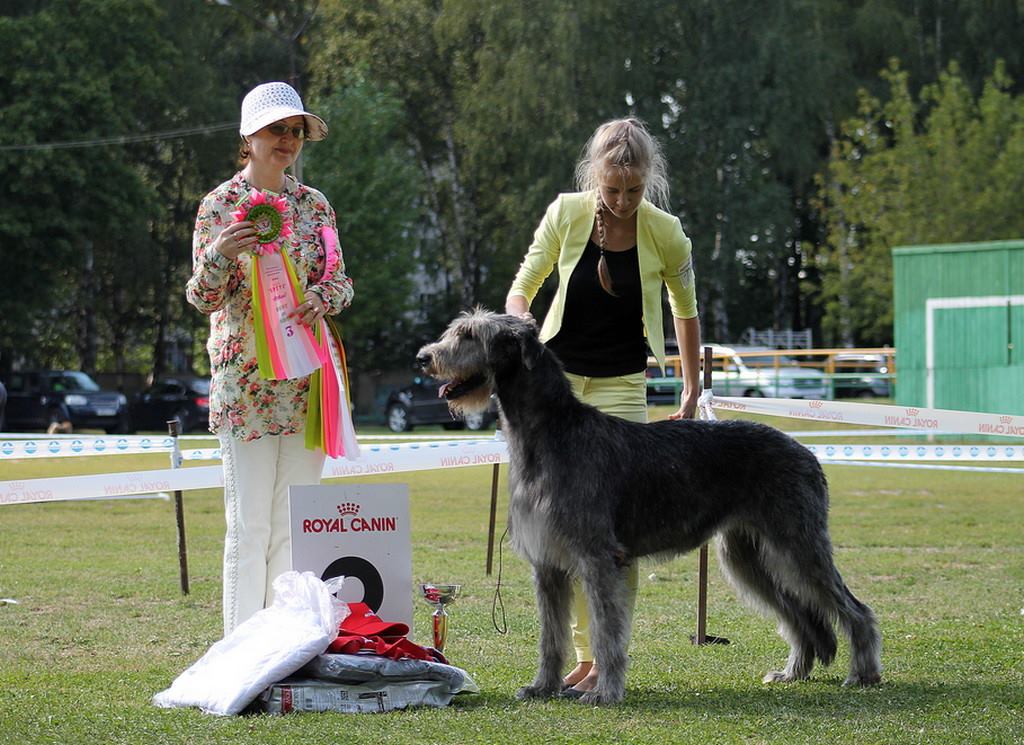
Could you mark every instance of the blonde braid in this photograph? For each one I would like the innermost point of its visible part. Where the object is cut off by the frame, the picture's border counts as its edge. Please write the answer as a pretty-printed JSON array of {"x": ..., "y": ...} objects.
[{"x": 603, "y": 275}]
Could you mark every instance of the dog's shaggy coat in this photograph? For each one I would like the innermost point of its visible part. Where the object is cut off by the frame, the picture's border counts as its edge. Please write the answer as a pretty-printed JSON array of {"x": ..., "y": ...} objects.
[{"x": 591, "y": 493}]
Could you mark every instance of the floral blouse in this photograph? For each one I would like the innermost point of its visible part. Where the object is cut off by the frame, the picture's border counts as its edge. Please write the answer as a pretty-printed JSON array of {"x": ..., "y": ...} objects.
[{"x": 242, "y": 403}]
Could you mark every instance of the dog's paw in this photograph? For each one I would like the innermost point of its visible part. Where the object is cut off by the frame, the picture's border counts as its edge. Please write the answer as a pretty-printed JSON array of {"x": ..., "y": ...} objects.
[
  {"x": 597, "y": 697},
  {"x": 863, "y": 679},
  {"x": 534, "y": 691},
  {"x": 779, "y": 676}
]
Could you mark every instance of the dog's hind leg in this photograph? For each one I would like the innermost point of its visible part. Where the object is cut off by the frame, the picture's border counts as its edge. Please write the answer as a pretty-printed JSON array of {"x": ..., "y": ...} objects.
[
  {"x": 554, "y": 593},
  {"x": 806, "y": 629},
  {"x": 606, "y": 587},
  {"x": 808, "y": 579},
  {"x": 807, "y": 571}
]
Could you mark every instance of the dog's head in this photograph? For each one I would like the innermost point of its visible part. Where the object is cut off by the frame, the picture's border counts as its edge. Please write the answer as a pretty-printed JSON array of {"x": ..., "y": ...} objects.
[{"x": 475, "y": 349}]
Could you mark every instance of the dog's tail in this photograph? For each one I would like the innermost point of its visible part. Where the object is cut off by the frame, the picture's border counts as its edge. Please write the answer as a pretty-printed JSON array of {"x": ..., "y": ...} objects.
[{"x": 859, "y": 624}]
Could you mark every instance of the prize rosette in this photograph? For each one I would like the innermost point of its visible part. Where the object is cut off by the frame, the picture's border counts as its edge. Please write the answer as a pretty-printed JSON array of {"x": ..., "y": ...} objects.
[
  {"x": 329, "y": 408},
  {"x": 285, "y": 348},
  {"x": 269, "y": 216}
]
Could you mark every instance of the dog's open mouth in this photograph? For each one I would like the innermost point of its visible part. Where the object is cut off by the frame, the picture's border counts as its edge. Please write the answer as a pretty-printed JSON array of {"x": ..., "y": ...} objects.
[{"x": 454, "y": 389}]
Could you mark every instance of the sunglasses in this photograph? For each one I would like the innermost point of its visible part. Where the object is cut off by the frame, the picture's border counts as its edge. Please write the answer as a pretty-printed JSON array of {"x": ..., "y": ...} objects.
[{"x": 279, "y": 129}]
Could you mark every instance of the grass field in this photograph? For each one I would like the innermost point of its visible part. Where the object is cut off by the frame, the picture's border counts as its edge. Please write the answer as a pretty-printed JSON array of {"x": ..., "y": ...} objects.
[{"x": 100, "y": 625}]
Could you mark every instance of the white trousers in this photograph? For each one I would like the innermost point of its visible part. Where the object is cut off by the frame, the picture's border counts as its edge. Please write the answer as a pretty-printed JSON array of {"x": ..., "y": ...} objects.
[{"x": 257, "y": 546}]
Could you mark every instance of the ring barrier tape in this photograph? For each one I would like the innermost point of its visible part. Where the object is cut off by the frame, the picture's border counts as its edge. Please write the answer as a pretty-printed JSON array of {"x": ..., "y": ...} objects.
[
  {"x": 109, "y": 484},
  {"x": 52, "y": 447},
  {"x": 829, "y": 452},
  {"x": 923, "y": 466},
  {"x": 374, "y": 459},
  {"x": 889, "y": 453},
  {"x": 428, "y": 436},
  {"x": 28, "y": 446},
  {"x": 19, "y": 446},
  {"x": 207, "y": 436},
  {"x": 202, "y": 454},
  {"x": 807, "y": 433},
  {"x": 936, "y": 421},
  {"x": 457, "y": 453}
]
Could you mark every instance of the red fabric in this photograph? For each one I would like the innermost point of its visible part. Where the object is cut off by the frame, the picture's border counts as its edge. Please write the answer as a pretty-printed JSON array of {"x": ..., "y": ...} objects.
[
  {"x": 363, "y": 621},
  {"x": 395, "y": 649}
]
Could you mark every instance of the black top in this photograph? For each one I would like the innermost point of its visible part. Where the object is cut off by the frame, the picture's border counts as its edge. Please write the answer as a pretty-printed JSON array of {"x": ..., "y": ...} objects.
[{"x": 602, "y": 335}]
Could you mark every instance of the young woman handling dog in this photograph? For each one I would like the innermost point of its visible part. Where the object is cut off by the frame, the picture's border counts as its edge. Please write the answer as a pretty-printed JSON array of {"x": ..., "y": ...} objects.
[{"x": 614, "y": 250}]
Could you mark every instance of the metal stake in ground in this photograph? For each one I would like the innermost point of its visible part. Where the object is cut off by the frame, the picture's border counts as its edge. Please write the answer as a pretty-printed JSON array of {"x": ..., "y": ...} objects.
[
  {"x": 702, "y": 637},
  {"x": 179, "y": 509},
  {"x": 494, "y": 510}
]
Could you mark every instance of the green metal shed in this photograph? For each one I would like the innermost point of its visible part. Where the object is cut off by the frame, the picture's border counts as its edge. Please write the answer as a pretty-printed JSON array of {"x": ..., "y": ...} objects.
[{"x": 959, "y": 315}]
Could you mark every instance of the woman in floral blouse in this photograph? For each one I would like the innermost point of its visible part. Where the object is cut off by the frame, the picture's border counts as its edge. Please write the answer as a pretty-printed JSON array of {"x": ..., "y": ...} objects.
[{"x": 261, "y": 423}]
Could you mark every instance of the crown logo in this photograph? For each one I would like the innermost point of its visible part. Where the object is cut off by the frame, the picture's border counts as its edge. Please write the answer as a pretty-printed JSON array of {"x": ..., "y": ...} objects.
[
  {"x": 1005, "y": 419},
  {"x": 913, "y": 412},
  {"x": 348, "y": 508},
  {"x": 816, "y": 404}
]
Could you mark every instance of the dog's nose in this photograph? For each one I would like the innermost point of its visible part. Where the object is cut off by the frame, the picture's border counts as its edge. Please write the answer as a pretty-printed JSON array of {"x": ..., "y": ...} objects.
[{"x": 422, "y": 361}]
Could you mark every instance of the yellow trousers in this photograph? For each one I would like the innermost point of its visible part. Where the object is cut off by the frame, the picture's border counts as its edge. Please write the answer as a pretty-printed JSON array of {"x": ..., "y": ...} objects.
[{"x": 623, "y": 396}]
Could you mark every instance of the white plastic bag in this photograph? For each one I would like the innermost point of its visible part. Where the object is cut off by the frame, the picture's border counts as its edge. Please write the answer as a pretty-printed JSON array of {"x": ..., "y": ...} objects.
[{"x": 271, "y": 645}]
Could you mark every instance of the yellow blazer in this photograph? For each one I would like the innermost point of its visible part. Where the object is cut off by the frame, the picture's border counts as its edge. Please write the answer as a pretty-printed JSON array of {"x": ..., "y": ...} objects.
[{"x": 662, "y": 247}]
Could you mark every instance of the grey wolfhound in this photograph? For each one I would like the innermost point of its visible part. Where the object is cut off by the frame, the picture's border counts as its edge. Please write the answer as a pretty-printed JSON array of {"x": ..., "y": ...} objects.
[{"x": 590, "y": 493}]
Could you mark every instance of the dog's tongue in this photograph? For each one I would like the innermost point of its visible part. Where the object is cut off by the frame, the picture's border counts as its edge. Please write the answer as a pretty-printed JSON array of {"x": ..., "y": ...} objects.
[{"x": 443, "y": 390}]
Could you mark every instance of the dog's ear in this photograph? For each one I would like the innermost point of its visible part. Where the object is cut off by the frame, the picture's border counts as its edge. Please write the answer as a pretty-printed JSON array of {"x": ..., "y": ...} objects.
[{"x": 530, "y": 346}]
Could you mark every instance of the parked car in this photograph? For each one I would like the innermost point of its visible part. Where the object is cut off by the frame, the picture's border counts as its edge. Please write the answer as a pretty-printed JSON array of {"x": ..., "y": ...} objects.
[
  {"x": 185, "y": 398},
  {"x": 752, "y": 372},
  {"x": 664, "y": 389},
  {"x": 48, "y": 399},
  {"x": 744, "y": 372},
  {"x": 861, "y": 376},
  {"x": 418, "y": 403}
]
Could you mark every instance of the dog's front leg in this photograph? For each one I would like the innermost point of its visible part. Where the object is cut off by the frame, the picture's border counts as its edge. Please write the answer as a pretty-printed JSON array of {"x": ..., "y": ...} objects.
[
  {"x": 605, "y": 584},
  {"x": 553, "y": 598}
]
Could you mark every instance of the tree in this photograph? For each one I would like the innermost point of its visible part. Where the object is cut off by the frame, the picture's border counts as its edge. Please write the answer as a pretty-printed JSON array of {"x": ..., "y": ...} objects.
[
  {"x": 494, "y": 113},
  {"x": 99, "y": 234},
  {"x": 940, "y": 169},
  {"x": 745, "y": 123},
  {"x": 490, "y": 102},
  {"x": 65, "y": 214},
  {"x": 367, "y": 172}
]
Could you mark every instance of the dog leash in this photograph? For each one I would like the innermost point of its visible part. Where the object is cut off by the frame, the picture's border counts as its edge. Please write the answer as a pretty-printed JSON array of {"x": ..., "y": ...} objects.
[{"x": 498, "y": 603}]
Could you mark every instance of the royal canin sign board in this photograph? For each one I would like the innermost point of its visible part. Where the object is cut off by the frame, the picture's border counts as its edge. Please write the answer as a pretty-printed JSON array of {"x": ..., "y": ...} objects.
[{"x": 361, "y": 532}]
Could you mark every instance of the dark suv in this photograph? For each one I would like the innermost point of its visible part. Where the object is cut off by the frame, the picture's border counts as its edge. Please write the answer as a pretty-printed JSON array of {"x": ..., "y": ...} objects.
[
  {"x": 185, "y": 398},
  {"x": 50, "y": 398}
]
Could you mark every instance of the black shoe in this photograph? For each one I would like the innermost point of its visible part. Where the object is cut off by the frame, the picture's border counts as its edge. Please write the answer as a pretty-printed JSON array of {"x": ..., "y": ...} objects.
[{"x": 572, "y": 693}]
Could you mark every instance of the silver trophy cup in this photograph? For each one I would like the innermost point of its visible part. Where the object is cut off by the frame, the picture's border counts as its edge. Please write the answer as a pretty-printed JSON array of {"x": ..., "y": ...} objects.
[{"x": 439, "y": 596}]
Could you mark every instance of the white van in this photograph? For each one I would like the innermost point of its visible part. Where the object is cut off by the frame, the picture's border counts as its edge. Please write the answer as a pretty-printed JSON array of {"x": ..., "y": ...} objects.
[
  {"x": 755, "y": 372},
  {"x": 742, "y": 372}
]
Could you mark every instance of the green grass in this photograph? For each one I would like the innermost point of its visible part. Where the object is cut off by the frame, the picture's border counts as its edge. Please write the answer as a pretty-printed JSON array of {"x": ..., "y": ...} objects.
[{"x": 101, "y": 625}]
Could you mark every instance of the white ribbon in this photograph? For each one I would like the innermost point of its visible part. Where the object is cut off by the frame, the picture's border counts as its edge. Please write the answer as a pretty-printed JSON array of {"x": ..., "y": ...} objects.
[
  {"x": 934, "y": 421},
  {"x": 373, "y": 459},
  {"x": 705, "y": 403}
]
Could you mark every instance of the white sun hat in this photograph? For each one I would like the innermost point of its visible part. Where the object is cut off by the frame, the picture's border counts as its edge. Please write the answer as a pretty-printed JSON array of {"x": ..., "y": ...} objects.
[{"x": 272, "y": 102}]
